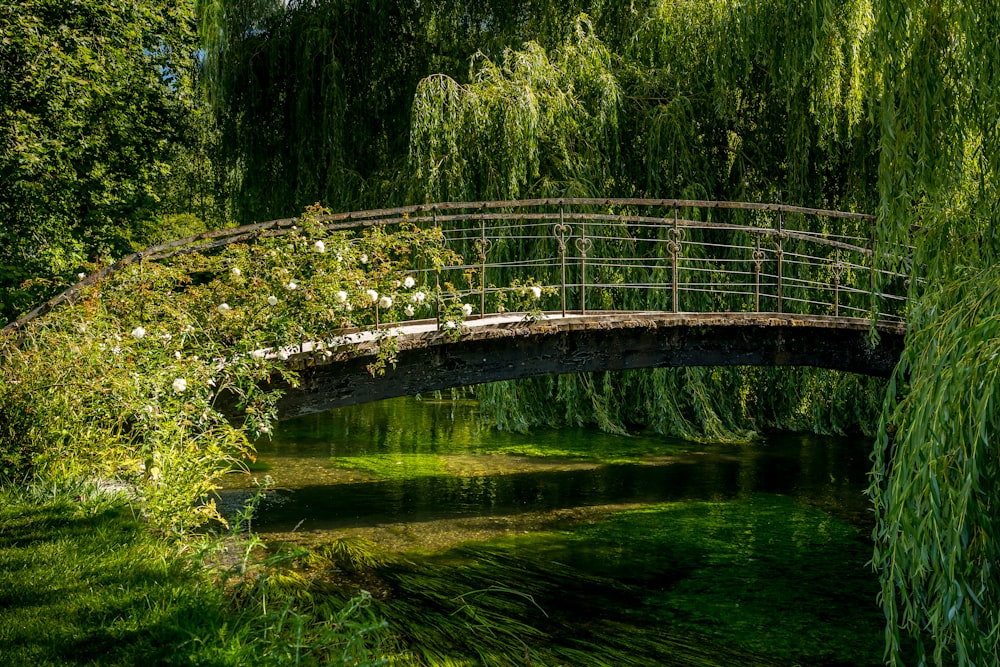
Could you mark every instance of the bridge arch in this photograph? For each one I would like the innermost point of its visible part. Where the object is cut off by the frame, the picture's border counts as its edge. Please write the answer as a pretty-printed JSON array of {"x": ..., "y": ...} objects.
[
  {"x": 510, "y": 347},
  {"x": 772, "y": 285}
]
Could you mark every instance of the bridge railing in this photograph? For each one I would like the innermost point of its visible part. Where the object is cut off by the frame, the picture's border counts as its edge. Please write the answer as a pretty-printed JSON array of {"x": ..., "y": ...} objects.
[
  {"x": 585, "y": 255},
  {"x": 669, "y": 255}
]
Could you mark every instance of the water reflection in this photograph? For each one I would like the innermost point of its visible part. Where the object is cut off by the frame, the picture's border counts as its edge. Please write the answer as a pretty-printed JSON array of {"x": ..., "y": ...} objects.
[
  {"x": 434, "y": 462},
  {"x": 581, "y": 547}
]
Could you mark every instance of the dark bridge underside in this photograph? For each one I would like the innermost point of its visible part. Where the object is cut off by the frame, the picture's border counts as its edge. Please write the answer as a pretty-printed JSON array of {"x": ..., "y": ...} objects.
[{"x": 508, "y": 348}]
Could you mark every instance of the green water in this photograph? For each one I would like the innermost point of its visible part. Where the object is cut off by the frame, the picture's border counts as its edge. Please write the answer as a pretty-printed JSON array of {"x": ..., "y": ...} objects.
[{"x": 573, "y": 547}]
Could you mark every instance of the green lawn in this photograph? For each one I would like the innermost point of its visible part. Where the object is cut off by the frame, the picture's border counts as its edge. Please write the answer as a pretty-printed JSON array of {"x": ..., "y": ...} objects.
[{"x": 83, "y": 582}]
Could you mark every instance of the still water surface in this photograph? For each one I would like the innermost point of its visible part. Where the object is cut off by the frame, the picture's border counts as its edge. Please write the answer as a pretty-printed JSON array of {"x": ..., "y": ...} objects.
[{"x": 575, "y": 547}]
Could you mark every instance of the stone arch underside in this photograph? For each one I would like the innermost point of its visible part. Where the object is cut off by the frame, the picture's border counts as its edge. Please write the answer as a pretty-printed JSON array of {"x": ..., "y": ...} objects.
[{"x": 511, "y": 347}]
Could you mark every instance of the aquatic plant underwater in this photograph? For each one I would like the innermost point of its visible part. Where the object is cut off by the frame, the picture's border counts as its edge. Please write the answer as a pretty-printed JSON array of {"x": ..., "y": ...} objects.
[
  {"x": 696, "y": 583},
  {"x": 579, "y": 560}
]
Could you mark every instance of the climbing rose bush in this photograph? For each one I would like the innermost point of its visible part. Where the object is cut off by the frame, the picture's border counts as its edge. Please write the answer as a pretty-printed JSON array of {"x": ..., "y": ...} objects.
[{"x": 125, "y": 387}]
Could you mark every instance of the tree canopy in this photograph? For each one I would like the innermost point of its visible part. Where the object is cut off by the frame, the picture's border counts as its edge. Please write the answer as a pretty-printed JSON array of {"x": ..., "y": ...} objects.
[
  {"x": 360, "y": 103},
  {"x": 95, "y": 98}
]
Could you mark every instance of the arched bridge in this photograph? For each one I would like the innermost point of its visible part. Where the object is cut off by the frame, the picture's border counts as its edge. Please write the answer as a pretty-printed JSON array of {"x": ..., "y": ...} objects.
[
  {"x": 551, "y": 286},
  {"x": 612, "y": 284},
  {"x": 503, "y": 347}
]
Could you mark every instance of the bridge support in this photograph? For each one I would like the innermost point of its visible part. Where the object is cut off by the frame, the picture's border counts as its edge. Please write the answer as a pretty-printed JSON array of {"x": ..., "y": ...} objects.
[{"x": 497, "y": 349}]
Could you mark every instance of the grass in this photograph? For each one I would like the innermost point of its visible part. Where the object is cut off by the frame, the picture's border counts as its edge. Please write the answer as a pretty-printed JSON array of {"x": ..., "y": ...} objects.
[{"x": 84, "y": 582}]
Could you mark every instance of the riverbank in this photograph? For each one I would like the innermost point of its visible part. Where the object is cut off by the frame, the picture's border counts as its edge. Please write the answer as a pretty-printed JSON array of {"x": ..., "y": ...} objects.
[{"x": 84, "y": 582}]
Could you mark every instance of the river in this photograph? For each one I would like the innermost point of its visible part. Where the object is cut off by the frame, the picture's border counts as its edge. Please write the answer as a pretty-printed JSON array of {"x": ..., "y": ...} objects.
[{"x": 575, "y": 547}]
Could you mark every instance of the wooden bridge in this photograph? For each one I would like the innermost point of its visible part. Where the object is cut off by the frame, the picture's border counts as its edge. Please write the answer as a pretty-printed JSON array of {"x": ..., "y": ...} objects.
[{"x": 551, "y": 286}]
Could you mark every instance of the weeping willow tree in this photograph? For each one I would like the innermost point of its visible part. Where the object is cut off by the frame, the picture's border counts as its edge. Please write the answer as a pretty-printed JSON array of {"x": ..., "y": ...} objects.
[
  {"x": 362, "y": 104},
  {"x": 709, "y": 100},
  {"x": 873, "y": 105},
  {"x": 314, "y": 98},
  {"x": 532, "y": 124},
  {"x": 936, "y": 482}
]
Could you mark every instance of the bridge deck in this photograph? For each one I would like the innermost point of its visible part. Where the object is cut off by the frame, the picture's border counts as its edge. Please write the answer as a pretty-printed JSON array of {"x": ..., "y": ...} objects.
[
  {"x": 502, "y": 347},
  {"x": 424, "y": 333}
]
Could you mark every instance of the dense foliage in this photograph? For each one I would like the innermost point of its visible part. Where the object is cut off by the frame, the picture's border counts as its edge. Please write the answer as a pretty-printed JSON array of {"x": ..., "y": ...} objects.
[
  {"x": 97, "y": 115},
  {"x": 881, "y": 106},
  {"x": 936, "y": 481},
  {"x": 123, "y": 385},
  {"x": 360, "y": 103}
]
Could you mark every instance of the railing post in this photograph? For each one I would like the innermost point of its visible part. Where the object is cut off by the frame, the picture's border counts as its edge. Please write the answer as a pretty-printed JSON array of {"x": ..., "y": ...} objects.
[
  {"x": 758, "y": 261},
  {"x": 583, "y": 244},
  {"x": 781, "y": 260},
  {"x": 484, "y": 246},
  {"x": 674, "y": 246},
  {"x": 873, "y": 296},
  {"x": 437, "y": 283},
  {"x": 561, "y": 232},
  {"x": 838, "y": 268}
]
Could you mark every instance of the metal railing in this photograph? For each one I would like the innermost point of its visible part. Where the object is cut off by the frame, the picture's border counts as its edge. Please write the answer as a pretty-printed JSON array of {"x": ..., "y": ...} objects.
[
  {"x": 591, "y": 255},
  {"x": 663, "y": 255}
]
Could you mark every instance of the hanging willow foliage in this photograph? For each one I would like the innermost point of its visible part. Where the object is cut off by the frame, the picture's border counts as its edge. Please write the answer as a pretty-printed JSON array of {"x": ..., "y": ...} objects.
[
  {"x": 520, "y": 124},
  {"x": 936, "y": 485},
  {"x": 940, "y": 144},
  {"x": 331, "y": 100},
  {"x": 936, "y": 476},
  {"x": 755, "y": 100}
]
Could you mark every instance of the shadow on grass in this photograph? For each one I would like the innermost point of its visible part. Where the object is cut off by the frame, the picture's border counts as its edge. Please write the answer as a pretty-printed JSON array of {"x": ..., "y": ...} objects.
[{"x": 85, "y": 583}]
